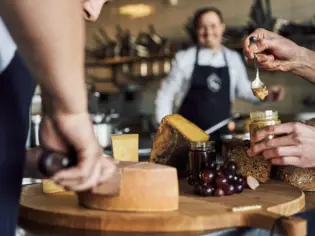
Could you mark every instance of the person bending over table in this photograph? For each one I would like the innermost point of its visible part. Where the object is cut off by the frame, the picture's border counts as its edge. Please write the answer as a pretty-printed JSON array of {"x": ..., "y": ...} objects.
[{"x": 50, "y": 38}]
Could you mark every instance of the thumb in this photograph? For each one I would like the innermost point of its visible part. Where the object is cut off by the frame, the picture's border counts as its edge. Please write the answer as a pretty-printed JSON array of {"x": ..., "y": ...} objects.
[{"x": 262, "y": 45}]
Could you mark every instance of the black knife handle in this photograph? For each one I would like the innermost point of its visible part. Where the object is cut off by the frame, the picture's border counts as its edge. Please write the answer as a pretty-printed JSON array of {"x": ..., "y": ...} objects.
[
  {"x": 50, "y": 162},
  {"x": 252, "y": 39}
]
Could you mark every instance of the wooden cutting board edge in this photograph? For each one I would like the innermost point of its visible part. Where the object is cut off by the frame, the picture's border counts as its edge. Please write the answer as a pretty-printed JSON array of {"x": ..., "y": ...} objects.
[{"x": 257, "y": 218}]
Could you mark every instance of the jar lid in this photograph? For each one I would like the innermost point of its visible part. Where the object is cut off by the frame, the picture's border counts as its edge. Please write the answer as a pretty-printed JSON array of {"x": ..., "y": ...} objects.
[
  {"x": 202, "y": 145},
  {"x": 261, "y": 115}
]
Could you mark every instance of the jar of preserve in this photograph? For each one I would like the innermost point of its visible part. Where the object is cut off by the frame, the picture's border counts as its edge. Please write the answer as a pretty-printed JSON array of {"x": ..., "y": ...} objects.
[
  {"x": 261, "y": 119},
  {"x": 201, "y": 156}
]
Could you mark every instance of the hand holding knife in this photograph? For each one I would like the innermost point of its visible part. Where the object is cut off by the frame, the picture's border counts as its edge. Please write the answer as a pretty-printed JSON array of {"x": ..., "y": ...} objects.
[{"x": 49, "y": 163}]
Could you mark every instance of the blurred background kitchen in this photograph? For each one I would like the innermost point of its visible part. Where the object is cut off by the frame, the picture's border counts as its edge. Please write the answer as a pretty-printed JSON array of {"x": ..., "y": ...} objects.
[{"x": 130, "y": 48}]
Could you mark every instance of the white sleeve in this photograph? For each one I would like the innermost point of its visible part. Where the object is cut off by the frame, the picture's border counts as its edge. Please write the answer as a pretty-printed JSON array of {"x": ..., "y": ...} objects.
[
  {"x": 243, "y": 84},
  {"x": 170, "y": 86}
]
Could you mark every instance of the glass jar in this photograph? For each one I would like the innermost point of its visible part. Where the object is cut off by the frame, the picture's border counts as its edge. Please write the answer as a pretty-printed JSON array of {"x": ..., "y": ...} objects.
[
  {"x": 261, "y": 119},
  {"x": 201, "y": 155}
]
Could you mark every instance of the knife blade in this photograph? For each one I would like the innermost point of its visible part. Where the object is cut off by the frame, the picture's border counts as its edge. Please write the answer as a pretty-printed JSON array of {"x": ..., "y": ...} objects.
[
  {"x": 221, "y": 124},
  {"x": 51, "y": 162}
]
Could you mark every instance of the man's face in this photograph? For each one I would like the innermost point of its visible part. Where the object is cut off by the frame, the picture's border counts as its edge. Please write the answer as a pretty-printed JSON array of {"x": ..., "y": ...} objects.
[
  {"x": 92, "y": 8},
  {"x": 210, "y": 30}
]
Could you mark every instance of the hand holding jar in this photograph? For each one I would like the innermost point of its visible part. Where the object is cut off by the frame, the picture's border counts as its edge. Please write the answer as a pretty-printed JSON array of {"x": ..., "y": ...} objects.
[{"x": 293, "y": 144}]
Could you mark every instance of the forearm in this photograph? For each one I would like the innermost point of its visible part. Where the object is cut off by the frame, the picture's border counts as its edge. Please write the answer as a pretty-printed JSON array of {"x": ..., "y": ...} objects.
[
  {"x": 50, "y": 37},
  {"x": 31, "y": 165},
  {"x": 306, "y": 65}
]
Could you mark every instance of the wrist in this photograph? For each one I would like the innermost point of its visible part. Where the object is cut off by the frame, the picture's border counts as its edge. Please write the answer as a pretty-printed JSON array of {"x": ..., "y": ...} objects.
[
  {"x": 302, "y": 61},
  {"x": 55, "y": 106}
]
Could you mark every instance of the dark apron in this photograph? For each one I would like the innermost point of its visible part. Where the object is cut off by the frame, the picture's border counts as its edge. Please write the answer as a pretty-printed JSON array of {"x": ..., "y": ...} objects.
[
  {"x": 208, "y": 100},
  {"x": 16, "y": 91}
]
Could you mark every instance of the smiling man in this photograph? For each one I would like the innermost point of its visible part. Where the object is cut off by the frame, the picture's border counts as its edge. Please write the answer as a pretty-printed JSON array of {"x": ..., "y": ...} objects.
[
  {"x": 207, "y": 77},
  {"x": 52, "y": 46}
]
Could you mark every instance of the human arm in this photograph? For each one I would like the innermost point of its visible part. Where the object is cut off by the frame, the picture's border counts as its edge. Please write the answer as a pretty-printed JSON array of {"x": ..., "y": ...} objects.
[
  {"x": 170, "y": 86},
  {"x": 31, "y": 164},
  {"x": 44, "y": 31},
  {"x": 276, "y": 53},
  {"x": 50, "y": 37}
]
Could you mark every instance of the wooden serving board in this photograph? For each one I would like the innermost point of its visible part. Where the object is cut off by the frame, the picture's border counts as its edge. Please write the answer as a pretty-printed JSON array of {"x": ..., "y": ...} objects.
[{"x": 194, "y": 213}]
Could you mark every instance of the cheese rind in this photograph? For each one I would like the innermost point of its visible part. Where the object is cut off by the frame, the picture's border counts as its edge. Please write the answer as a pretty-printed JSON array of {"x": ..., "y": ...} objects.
[
  {"x": 50, "y": 186},
  {"x": 126, "y": 147},
  {"x": 145, "y": 187},
  {"x": 172, "y": 142}
]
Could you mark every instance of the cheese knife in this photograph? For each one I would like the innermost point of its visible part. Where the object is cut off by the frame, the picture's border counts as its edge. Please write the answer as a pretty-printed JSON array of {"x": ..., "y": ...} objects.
[
  {"x": 222, "y": 123},
  {"x": 51, "y": 162}
]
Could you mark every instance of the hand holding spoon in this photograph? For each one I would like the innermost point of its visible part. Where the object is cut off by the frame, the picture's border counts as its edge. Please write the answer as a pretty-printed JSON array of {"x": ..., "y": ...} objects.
[{"x": 258, "y": 87}]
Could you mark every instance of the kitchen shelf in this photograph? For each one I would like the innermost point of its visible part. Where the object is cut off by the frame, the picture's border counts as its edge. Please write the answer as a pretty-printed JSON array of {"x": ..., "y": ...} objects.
[
  {"x": 116, "y": 61},
  {"x": 125, "y": 74}
]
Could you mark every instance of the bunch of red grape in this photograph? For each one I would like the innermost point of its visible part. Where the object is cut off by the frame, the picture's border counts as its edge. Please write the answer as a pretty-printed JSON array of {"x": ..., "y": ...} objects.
[{"x": 213, "y": 181}]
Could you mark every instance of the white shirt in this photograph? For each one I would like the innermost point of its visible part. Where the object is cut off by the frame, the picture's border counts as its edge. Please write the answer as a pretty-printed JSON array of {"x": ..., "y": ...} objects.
[
  {"x": 176, "y": 85},
  {"x": 7, "y": 47}
]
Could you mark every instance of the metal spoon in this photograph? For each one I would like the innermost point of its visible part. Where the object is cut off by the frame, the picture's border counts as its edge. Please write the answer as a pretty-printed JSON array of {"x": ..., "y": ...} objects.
[{"x": 257, "y": 83}]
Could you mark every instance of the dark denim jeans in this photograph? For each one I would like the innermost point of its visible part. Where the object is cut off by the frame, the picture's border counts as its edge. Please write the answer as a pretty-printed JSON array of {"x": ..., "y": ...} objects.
[{"x": 16, "y": 91}]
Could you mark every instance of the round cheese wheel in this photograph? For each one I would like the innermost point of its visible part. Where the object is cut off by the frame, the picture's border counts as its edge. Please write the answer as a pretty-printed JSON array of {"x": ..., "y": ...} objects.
[{"x": 144, "y": 187}]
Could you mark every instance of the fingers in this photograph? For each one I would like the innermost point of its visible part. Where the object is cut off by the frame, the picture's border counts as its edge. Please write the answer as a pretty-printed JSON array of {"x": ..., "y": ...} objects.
[
  {"x": 286, "y": 161},
  {"x": 80, "y": 172},
  {"x": 108, "y": 169},
  {"x": 73, "y": 179},
  {"x": 280, "y": 129},
  {"x": 266, "y": 62},
  {"x": 248, "y": 49},
  {"x": 76, "y": 180},
  {"x": 92, "y": 180},
  {"x": 79, "y": 184},
  {"x": 265, "y": 44},
  {"x": 285, "y": 151},
  {"x": 272, "y": 143}
]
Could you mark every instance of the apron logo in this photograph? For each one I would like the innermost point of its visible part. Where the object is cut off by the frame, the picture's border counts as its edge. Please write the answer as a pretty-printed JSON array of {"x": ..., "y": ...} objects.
[{"x": 214, "y": 83}]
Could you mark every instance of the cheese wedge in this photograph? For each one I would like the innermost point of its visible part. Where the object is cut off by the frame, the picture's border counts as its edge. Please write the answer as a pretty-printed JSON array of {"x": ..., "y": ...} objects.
[
  {"x": 50, "y": 186},
  {"x": 172, "y": 142},
  {"x": 126, "y": 147},
  {"x": 144, "y": 187}
]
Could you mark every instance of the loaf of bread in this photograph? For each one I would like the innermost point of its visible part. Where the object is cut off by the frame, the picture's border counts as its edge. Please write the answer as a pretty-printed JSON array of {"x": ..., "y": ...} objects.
[
  {"x": 302, "y": 178},
  {"x": 257, "y": 167},
  {"x": 172, "y": 142},
  {"x": 144, "y": 187}
]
